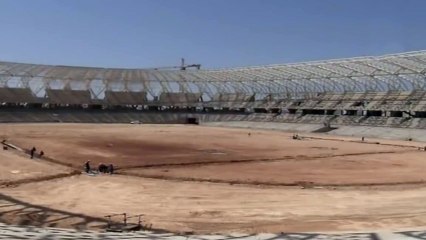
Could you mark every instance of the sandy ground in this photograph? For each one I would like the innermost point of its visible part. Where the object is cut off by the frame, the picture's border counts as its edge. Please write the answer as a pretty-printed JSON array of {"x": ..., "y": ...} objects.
[
  {"x": 369, "y": 169},
  {"x": 18, "y": 167},
  {"x": 128, "y": 145},
  {"x": 207, "y": 207},
  {"x": 207, "y": 153}
]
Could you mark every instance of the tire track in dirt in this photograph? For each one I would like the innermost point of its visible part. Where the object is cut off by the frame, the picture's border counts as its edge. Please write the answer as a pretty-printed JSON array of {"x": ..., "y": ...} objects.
[
  {"x": 304, "y": 185},
  {"x": 242, "y": 161},
  {"x": 26, "y": 152},
  {"x": 77, "y": 171},
  {"x": 38, "y": 179},
  {"x": 23, "y": 151},
  {"x": 358, "y": 141}
]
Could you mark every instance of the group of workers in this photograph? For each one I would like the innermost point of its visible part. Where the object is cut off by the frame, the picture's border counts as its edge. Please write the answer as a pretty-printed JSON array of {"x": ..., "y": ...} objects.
[
  {"x": 296, "y": 136},
  {"x": 102, "y": 168},
  {"x": 33, "y": 152}
]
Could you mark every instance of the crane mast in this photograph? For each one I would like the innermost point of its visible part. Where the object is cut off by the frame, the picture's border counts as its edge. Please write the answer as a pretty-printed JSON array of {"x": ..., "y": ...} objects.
[{"x": 182, "y": 66}]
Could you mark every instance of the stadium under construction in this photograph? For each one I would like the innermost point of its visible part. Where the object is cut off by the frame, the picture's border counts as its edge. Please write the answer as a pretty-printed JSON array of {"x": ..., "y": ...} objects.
[
  {"x": 329, "y": 149},
  {"x": 374, "y": 91}
]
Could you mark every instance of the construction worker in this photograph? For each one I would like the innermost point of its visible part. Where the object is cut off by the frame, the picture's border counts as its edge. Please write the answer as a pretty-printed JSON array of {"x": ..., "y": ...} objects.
[
  {"x": 102, "y": 168},
  {"x": 87, "y": 166},
  {"x": 111, "y": 168},
  {"x": 32, "y": 152}
]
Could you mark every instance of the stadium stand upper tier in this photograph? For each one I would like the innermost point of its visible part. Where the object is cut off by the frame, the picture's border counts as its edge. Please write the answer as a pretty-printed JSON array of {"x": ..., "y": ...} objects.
[
  {"x": 16, "y": 95},
  {"x": 385, "y": 90},
  {"x": 179, "y": 99},
  {"x": 125, "y": 98},
  {"x": 57, "y": 96}
]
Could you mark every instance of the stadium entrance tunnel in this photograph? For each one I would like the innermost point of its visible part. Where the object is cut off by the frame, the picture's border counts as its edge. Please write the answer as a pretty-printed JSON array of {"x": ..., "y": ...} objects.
[{"x": 192, "y": 120}]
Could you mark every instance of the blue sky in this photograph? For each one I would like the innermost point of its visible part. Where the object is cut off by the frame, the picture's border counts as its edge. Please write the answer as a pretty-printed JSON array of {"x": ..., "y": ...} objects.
[{"x": 215, "y": 33}]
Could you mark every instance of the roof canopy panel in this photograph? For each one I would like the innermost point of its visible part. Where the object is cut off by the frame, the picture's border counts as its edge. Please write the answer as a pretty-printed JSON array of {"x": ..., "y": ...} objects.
[{"x": 389, "y": 72}]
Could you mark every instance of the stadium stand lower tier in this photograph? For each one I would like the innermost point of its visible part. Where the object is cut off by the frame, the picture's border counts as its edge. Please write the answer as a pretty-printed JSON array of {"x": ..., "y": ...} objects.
[
  {"x": 9, "y": 115},
  {"x": 390, "y": 109}
]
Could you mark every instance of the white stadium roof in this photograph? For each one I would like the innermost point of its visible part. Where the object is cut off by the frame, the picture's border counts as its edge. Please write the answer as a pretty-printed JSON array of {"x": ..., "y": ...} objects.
[{"x": 399, "y": 72}]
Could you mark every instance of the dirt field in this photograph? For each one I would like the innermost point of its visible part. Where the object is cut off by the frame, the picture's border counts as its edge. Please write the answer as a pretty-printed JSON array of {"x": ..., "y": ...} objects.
[
  {"x": 146, "y": 145},
  {"x": 20, "y": 168},
  {"x": 369, "y": 169},
  {"x": 208, "y": 207},
  {"x": 199, "y": 174}
]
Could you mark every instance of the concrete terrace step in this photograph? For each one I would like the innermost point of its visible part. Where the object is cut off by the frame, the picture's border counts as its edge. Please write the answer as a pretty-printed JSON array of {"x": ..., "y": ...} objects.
[{"x": 27, "y": 232}]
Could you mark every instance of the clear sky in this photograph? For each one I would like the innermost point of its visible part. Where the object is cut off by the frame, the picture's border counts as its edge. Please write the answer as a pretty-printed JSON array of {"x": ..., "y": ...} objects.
[{"x": 215, "y": 33}]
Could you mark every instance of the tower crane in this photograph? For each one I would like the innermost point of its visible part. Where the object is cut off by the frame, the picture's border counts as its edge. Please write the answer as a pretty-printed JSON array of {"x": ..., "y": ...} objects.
[{"x": 182, "y": 66}]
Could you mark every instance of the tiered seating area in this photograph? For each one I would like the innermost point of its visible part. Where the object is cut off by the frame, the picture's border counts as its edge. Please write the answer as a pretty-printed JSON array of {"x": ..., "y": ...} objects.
[
  {"x": 414, "y": 100},
  {"x": 375, "y": 121},
  {"x": 395, "y": 121},
  {"x": 125, "y": 98},
  {"x": 233, "y": 97},
  {"x": 56, "y": 96},
  {"x": 340, "y": 100},
  {"x": 316, "y": 119},
  {"x": 418, "y": 123},
  {"x": 16, "y": 95},
  {"x": 223, "y": 117},
  {"x": 308, "y": 104},
  {"x": 230, "y": 100},
  {"x": 347, "y": 120},
  {"x": 261, "y": 117},
  {"x": 327, "y": 101},
  {"x": 374, "y": 100},
  {"x": 381, "y": 101},
  {"x": 39, "y": 233},
  {"x": 391, "y": 109},
  {"x": 290, "y": 118},
  {"x": 384, "y": 91},
  {"x": 174, "y": 99},
  {"x": 105, "y": 116},
  {"x": 288, "y": 103},
  {"x": 396, "y": 101}
]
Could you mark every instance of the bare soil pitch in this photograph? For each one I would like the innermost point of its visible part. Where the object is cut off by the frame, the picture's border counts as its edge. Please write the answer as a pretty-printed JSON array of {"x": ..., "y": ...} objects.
[{"x": 185, "y": 159}]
